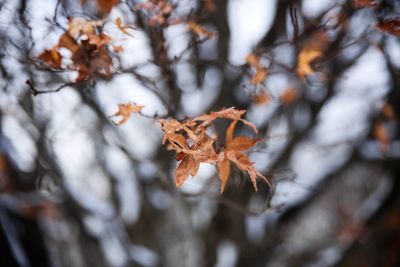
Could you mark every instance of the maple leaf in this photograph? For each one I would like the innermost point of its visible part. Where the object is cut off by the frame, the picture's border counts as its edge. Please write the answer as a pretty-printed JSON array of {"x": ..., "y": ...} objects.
[
  {"x": 261, "y": 72},
  {"x": 125, "y": 111},
  {"x": 121, "y": 27},
  {"x": 233, "y": 152}
]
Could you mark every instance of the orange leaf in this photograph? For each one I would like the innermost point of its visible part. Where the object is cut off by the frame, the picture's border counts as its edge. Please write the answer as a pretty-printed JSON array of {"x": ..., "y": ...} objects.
[
  {"x": 229, "y": 131},
  {"x": 188, "y": 166},
  {"x": 241, "y": 143},
  {"x": 182, "y": 172},
  {"x": 223, "y": 171},
  {"x": 125, "y": 111}
]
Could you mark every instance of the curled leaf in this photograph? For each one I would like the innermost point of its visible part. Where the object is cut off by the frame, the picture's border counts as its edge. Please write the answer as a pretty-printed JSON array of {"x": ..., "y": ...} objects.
[{"x": 223, "y": 170}]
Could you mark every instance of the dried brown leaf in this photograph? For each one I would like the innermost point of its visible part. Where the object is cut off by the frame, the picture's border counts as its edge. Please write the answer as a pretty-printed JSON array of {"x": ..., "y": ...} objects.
[
  {"x": 241, "y": 143},
  {"x": 223, "y": 170},
  {"x": 125, "y": 111}
]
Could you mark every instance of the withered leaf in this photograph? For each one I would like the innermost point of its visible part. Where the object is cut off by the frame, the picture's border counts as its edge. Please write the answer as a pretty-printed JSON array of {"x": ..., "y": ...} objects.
[
  {"x": 125, "y": 111},
  {"x": 224, "y": 169},
  {"x": 241, "y": 143},
  {"x": 234, "y": 148},
  {"x": 194, "y": 146}
]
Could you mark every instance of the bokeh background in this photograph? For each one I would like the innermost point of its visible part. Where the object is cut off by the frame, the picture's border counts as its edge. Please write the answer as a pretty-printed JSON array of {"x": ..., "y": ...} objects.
[{"x": 75, "y": 190}]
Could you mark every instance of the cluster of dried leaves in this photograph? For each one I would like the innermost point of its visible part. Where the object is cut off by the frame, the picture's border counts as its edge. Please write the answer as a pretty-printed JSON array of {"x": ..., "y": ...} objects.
[
  {"x": 88, "y": 46},
  {"x": 193, "y": 145}
]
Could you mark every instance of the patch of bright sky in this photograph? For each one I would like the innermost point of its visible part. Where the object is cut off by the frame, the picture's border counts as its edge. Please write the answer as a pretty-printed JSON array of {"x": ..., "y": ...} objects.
[
  {"x": 248, "y": 21},
  {"x": 126, "y": 184},
  {"x": 313, "y": 8}
]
